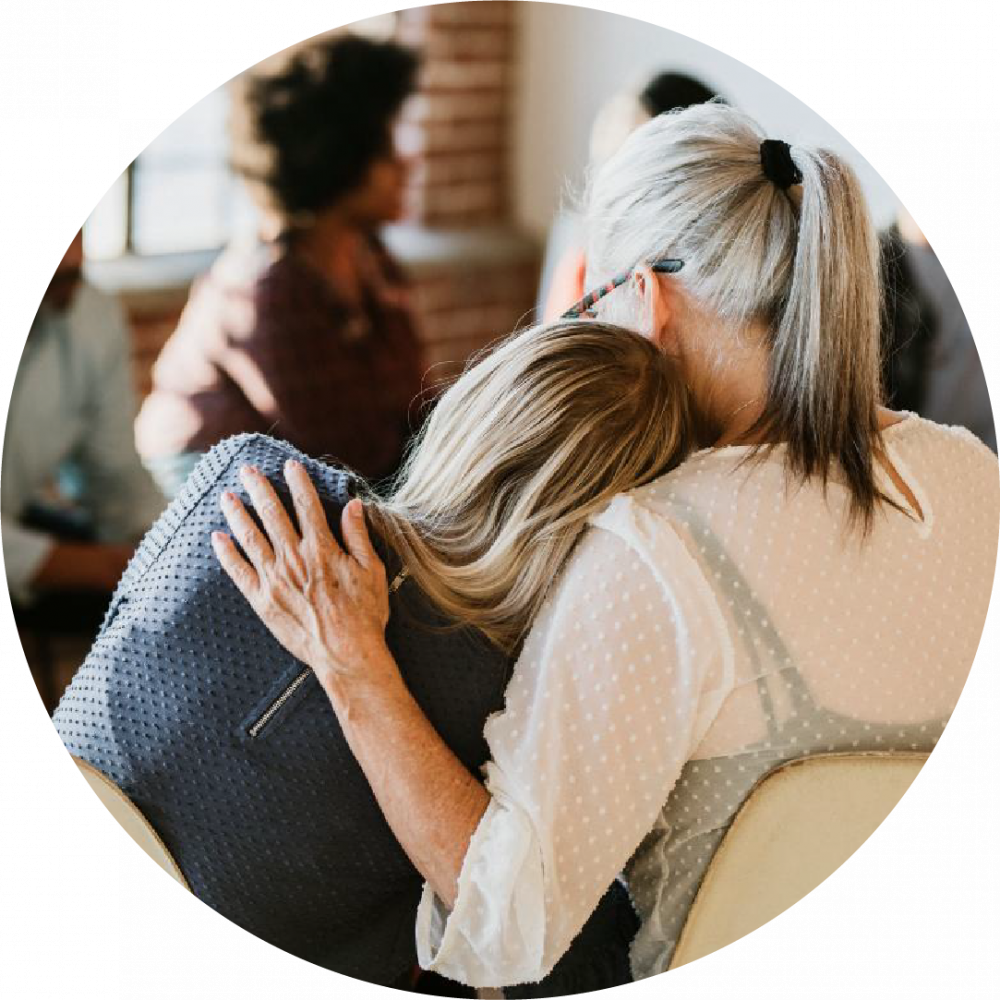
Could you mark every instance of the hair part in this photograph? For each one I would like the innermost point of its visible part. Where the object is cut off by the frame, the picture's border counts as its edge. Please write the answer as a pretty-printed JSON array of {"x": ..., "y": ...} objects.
[
  {"x": 532, "y": 440},
  {"x": 803, "y": 262}
]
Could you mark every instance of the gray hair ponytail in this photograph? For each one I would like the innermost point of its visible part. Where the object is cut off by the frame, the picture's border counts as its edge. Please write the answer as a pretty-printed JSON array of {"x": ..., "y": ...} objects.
[{"x": 804, "y": 261}]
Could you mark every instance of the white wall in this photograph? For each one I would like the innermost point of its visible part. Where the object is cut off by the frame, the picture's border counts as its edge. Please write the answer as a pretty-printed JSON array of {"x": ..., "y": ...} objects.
[{"x": 573, "y": 58}]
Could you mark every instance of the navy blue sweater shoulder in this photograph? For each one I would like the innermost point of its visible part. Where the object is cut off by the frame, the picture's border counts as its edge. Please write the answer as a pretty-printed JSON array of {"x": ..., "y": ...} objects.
[{"x": 229, "y": 745}]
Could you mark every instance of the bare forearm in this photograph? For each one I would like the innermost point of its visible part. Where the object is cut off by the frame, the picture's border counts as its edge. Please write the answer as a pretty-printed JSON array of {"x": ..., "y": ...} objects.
[{"x": 430, "y": 800}]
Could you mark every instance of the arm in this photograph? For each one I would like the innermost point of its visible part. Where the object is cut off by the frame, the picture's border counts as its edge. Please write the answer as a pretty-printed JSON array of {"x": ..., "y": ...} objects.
[
  {"x": 429, "y": 798},
  {"x": 24, "y": 553},
  {"x": 605, "y": 703},
  {"x": 431, "y": 802},
  {"x": 617, "y": 683},
  {"x": 36, "y": 561}
]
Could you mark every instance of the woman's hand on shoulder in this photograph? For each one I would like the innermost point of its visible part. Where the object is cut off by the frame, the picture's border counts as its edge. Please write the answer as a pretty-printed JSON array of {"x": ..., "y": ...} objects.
[{"x": 328, "y": 607}]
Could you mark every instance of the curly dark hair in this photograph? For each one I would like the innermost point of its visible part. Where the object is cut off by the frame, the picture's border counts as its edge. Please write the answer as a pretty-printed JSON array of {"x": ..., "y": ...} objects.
[{"x": 305, "y": 133}]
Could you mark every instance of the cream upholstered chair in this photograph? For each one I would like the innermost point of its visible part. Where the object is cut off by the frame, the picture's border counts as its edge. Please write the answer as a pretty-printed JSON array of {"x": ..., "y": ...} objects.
[
  {"x": 799, "y": 825},
  {"x": 130, "y": 818},
  {"x": 139, "y": 829}
]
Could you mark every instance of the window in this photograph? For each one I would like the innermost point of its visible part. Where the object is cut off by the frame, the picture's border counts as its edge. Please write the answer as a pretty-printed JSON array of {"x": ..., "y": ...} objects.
[{"x": 178, "y": 195}]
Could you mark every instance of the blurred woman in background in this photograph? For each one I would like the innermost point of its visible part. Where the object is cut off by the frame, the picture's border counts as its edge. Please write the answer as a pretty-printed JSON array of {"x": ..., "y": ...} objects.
[{"x": 306, "y": 334}]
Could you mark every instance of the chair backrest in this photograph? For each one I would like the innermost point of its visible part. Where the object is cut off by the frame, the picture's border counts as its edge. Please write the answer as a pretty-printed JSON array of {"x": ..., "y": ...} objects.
[
  {"x": 130, "y": 818},
  {"x": 799, "y": 825}
]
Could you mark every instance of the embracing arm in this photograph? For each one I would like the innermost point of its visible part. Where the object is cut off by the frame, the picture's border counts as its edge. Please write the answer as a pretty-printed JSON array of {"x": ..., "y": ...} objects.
[
  {"x": 606, "y": 702},
  {"x": 430, "y": 800}
]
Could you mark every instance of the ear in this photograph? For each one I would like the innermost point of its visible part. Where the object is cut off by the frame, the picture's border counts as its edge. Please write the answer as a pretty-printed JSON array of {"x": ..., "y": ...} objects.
[{"x": 658, "y": 294}]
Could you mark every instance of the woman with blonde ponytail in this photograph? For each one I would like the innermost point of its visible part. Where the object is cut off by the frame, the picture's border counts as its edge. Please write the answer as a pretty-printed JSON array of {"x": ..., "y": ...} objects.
[{"x": 814, "y": 579}]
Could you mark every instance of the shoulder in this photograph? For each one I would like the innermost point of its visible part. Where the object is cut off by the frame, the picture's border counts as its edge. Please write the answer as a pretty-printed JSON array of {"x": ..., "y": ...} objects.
[
  {"x": 950, "y": 463},
  {"x": 939, "y": 444},
  {"x": 638, "y": 534},
  {"x": 636, "y": 576},
  {"x": 219, "y": 469},
  {"x": 250, "y": 290},
  {"x": 242, "y": 270},
  {"x": 241, "y": 264},
  {"x": 711, "y": 479}
]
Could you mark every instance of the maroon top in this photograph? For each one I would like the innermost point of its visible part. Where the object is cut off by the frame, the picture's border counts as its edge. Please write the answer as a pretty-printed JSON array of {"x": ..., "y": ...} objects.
[{"x": 266, "y": 345}]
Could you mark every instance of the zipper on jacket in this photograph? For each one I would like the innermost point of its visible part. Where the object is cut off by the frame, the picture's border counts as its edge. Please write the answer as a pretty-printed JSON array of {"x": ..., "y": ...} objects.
[{"x": 253, "y": 731}]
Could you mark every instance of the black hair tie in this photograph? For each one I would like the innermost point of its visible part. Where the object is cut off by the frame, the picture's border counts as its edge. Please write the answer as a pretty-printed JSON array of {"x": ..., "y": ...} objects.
[{"x": 777, "y": 163}]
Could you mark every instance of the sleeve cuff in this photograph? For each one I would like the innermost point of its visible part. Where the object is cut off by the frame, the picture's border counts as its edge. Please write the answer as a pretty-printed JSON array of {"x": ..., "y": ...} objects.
[{"x": 495, "y": 934}]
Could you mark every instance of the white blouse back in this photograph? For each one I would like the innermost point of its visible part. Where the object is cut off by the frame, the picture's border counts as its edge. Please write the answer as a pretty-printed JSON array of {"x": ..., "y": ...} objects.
[{"x": 713, "y": 624}]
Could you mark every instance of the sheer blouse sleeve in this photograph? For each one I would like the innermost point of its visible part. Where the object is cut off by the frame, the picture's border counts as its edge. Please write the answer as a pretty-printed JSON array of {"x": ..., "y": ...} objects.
[{"x": 622, "y": 673}]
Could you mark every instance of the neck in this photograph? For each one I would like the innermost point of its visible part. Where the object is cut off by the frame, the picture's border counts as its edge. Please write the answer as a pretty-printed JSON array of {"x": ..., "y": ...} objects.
[
  {"x": 728, "y": 382},
  {"x": 330, "y": 244}
]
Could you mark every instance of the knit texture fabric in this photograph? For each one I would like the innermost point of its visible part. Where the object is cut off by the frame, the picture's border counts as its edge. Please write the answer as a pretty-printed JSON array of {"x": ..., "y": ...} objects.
[{"x": 196, "y": 712}]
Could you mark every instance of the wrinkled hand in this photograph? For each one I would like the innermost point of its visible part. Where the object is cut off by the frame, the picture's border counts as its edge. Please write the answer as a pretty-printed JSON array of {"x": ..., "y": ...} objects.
[{"x": 327, "y": 607}]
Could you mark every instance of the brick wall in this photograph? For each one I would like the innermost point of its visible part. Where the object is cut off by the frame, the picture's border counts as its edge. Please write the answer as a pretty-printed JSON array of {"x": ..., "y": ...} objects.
[
  {"x": 463, "y": 310},
  {"x": 461, "y": 117}
]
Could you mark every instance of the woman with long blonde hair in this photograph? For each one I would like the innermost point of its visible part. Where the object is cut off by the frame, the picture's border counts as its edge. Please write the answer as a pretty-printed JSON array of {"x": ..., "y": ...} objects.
[
  {"x": 226, "y": 741},
  {"x": 815, "y": 579}
]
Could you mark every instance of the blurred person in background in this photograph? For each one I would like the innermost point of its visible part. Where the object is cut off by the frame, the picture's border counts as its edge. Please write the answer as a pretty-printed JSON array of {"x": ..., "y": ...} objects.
[
  {"x": 932, "y": 365},
  {"x": 307, "y": 333},
  {"x": 75, "y": 497},
  {"x": 565, "y": 267}
]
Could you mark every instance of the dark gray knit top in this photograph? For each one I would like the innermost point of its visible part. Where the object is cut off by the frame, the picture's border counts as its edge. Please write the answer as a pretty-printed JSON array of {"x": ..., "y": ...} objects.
[
  {"x": 230, "y": 748},
  {"x": 229, "y": 745}
]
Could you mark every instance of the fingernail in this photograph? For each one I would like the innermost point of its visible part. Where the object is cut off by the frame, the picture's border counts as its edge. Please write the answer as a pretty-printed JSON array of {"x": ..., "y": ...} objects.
[
  {"x": 229, "y": 497},
  {"x": 357, "y": 508},
  {"x": 218, "y": 537}
]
